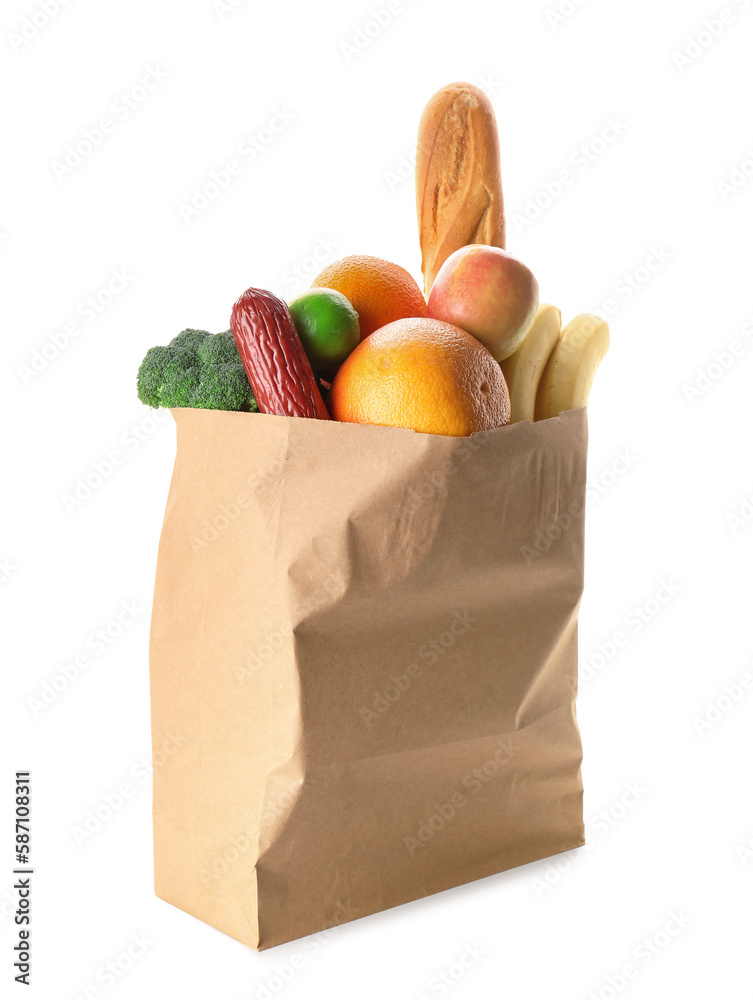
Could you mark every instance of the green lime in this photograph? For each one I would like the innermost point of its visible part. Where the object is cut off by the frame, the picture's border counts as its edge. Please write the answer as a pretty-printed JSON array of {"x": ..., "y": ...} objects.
[{"x": 327, "y": 324}]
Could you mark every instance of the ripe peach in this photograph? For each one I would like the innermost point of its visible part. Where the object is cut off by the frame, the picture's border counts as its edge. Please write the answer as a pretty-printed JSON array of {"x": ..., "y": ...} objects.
[{"x": 488, "y": 293}]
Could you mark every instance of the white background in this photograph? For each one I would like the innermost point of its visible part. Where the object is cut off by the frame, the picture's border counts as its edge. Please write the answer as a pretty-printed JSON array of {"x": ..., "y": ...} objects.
[{"x": 339, "y": 173}]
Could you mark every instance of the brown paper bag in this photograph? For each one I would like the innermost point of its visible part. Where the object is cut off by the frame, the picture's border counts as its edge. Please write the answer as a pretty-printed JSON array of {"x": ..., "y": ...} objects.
[{"x": 364, "y": 645}]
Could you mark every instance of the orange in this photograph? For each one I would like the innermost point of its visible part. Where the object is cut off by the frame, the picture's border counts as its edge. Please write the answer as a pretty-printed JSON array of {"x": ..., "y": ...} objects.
[
  {"x": 379, "y": 291},
  {"x": 423, "y": 374}
]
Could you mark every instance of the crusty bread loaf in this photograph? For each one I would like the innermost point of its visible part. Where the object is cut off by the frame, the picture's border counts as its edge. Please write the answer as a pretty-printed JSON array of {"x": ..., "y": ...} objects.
[{"x": 458, "y": 178}]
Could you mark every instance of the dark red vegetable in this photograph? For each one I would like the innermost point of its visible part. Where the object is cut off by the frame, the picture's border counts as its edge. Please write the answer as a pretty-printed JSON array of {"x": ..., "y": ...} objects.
[{"x": 273, "y": 356}]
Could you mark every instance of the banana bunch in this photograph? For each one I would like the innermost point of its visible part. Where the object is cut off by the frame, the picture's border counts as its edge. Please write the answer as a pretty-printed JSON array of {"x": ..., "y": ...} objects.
[{"x": 553, "y": 369}]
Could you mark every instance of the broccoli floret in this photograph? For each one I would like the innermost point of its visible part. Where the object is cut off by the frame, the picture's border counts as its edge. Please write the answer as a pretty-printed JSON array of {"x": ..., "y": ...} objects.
[
  {"x": 151, "y": 375},
  {"x": 197, "y": 369},
  {"x": 189, "y": 340}
]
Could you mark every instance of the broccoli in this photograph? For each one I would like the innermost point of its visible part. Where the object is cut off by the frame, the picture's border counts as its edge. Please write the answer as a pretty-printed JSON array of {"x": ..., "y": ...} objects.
[{"x": 198, "y": 369}]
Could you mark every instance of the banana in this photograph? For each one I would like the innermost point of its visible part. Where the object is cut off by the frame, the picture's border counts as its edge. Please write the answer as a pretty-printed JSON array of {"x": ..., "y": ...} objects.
[
  {"x": 525, "y": 366},
  {"x": 566, "y": 382}
]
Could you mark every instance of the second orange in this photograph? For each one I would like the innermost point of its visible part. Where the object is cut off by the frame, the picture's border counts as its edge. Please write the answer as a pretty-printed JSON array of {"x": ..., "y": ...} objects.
[{"x": 380, "y": 291}]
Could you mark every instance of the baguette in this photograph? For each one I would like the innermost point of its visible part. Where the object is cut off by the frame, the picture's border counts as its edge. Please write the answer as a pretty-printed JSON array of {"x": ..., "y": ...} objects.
[{"x": 458, "y": 177}]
